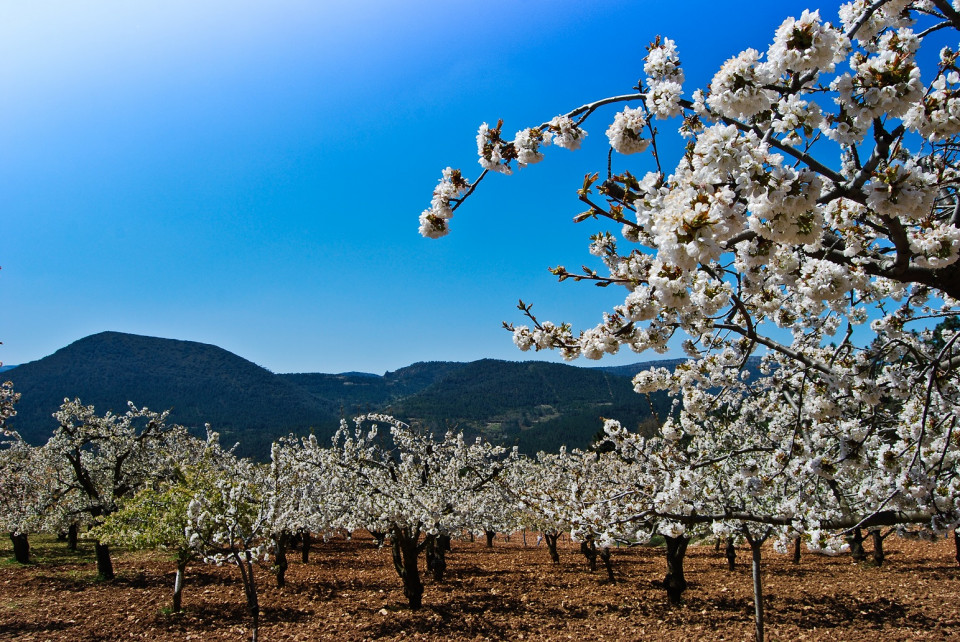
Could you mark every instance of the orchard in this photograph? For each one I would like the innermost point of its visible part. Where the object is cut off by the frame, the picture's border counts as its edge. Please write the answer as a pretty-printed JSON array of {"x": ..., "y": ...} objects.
[{"x": 800, "y": 212}]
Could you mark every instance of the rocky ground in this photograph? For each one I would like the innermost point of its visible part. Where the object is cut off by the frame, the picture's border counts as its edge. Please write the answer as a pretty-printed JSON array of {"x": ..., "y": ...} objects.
[{"x": 349, "y": 591}]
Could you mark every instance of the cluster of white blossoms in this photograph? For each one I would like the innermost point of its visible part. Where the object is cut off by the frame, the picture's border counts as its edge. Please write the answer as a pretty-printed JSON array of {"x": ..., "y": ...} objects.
[
  {"x": 452, "y": 186},
  {"x": 937, "y": 116},
  {"x": 565, "y": 132},
  {"x": 664, "y": 79},
  {"x": 817, "y": 191},
  {"x": 626, "y": 132},
  {"x": 806, "y": 44}
]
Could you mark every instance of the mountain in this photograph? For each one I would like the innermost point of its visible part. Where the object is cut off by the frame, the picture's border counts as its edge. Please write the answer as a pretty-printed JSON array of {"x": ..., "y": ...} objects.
[
  {"x": 5, "y": 368},
  {"x": 359, "y": 392},
  {"x": 200, "y": 383},
  {"x": 534, "y": 405}
]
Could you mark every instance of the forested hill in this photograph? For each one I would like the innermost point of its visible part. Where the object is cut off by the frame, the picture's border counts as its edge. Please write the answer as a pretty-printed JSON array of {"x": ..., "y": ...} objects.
[
  {"x": 533, "y": 404},
  {"x": 200, "y": 383}
]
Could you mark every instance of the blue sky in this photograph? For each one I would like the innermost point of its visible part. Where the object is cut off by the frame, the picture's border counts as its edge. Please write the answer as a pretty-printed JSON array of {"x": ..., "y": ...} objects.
[{"x": 249, "y": 174}]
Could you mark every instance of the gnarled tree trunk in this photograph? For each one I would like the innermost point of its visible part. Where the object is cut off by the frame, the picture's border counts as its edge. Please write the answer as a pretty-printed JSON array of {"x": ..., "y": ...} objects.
[
  {"x": 490, "y": 535},
  {"x": 435, "y": 553},
  {"x": 674, "y": 582},
  {"x": 305, "y": 546},
  {"x": 73, "y": 534},
  {"x": 589, "y": 550},
  {"x": 551, "y": 539},
  {"x": 856, "y": 540},
  {"x": 731, "y": 554},
  {"x": 280, "y": 564},
  {"x": 404, "y": 542},
  {"x": 104, "y": 564},
  {"x": 608, "y": 564},
  {"x": 21, "y": 548}
]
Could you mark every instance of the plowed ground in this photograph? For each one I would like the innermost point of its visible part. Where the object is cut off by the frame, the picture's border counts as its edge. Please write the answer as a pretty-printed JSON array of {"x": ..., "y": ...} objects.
[{"x": 350, "y": 591}]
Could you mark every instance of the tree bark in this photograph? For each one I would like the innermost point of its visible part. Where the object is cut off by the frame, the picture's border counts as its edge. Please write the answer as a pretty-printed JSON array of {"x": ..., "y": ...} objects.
[
  {"x": 72, "y": 536},
  {"x": 589, "y": 550},
  {"x": 305, "y": 546},
  {"x": 245, "y": 565},
  {"x": 856, "y": 540},
  {"x": 405, "y": 554},
  {"x": 796, "y": 550},
  {"x": 608, "y": 564},
  {"x": 21, "y": 548},
  {"x": 104, "y": 563},
  {"x": 551, "y": 539},
  {"x": 956, "y": 545},
  {"x": 182, "y": 560},
  {"x": 674, "y": 581},
  {"x": 755, "y": 545},
  {"x": 731, "y": 554},
  {"x": 280, "y": 566},
  {"x": 435, "y": 556},
  {"x": 490, "y": 535},
  {"x": 878, "y": 555}
]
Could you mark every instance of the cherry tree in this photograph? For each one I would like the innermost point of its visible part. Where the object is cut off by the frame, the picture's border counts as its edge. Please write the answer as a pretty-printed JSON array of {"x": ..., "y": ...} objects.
[
  {"x": 156, "y": 517},
  {"x": 24, "y": 492},
  {"x": 810, "y": 216},
  {"x": 108, "y": 458},
  {"x": 230, "y": 523},
  {"x": 411, "y": 487}
]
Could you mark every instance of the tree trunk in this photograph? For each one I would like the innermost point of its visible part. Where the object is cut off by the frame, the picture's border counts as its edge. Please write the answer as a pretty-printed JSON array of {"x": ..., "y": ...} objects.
[
  {"x": 182, "y": 560},
  {"x": 589, "y": 550},
  {"x": 856, "y": 540},
  {"x": 405, "y": 554},
  {"x": 796, "y": 550},
  {"x": 436, "y": 558},
  {"x": 490, "y": 535},
  {"x": 551, "y": 539},
  {"x": 755, "y": 545},
  {"x": 731, "y": 553},
  {"x": 305, "y": 546},
  {"x": 878, "y": 555},
  {"x": 250, "y": 590},
  {"x": 608, "y": 564},
  {"x": 674, "y": 582},
  {"x": 280, "y": 565},
  {"x": 21, "y": 548},
  {"x": 72, "y": 536},
  {"x": 956, "y": 545},
  {"x": 104, "y": 564}
]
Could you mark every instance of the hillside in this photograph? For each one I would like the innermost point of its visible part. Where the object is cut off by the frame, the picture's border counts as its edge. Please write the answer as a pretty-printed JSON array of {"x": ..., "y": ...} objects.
[
  {"x": 535, "y": 405},
  {"x": 200, "y": 383}
]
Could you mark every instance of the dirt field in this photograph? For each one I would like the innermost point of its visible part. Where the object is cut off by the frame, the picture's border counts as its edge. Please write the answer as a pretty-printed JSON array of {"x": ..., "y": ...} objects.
[{"x": 349, "y": 591}]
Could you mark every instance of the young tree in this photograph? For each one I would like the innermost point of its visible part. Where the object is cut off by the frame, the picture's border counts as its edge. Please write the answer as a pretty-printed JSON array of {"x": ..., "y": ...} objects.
[
  {"x": 230, "y": 523},
  {"x": 156, "y": 517}
]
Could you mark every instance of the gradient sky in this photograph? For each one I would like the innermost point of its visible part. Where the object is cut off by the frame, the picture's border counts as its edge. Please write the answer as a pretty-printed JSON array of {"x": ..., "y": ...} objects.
[{"x": 249, "y": 174}]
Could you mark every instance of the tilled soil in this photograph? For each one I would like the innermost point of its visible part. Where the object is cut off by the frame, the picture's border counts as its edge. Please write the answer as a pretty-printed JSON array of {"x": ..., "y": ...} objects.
[{"x": 350, "y": 591}]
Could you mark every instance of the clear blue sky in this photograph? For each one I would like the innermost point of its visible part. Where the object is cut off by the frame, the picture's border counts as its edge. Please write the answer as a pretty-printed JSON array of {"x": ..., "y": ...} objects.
[{"x": 249, "y": 174}]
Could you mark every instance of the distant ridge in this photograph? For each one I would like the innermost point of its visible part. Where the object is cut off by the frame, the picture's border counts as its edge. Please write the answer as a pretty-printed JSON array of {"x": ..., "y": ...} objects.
[
  {"x": 534, "y": 405},
  {"x": 201, "y": 383}
]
